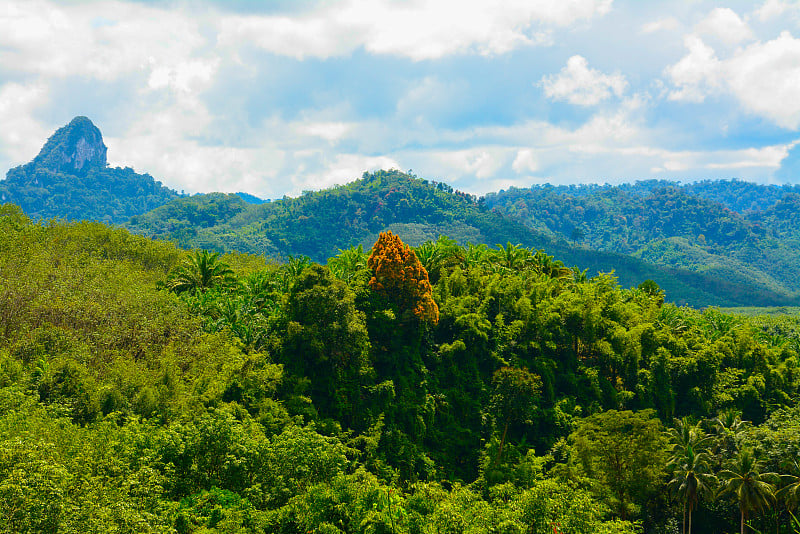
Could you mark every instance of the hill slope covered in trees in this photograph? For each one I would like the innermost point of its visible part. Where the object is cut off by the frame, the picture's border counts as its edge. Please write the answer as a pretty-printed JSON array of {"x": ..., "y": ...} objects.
[
  {"x": 741, "y": 232},
  {"x": 318, "y": 224},
  {"x": 724, "y": 243}
]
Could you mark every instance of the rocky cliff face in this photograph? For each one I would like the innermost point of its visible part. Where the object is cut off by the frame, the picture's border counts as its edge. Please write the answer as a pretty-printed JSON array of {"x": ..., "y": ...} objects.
[{"x": 74, "y": 149}]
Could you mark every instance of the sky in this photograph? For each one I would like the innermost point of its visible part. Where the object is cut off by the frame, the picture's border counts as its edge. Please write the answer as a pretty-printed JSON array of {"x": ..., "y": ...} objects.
[{"x": 277, "y": 97}]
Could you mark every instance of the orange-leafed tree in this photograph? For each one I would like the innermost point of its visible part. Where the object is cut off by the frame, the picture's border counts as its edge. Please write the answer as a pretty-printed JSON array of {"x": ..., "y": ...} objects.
[{"x": 398, "y": 275}]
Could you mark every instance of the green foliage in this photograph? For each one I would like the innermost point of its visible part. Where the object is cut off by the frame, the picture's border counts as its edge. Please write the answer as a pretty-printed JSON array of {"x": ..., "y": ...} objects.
[
  {"x": 199, "y": 272},
  {"x": 326, "y": 341},
  {"x": 421, "y": 211},
  {"x": 624, "y": 452},
  {"x": 691, "y": 465},
  {"x": 732, "y": 231},
  {"x": 514, "y": 398},
  {"x": 751, "y": 488},
  {"x": 294, "y": 397}
]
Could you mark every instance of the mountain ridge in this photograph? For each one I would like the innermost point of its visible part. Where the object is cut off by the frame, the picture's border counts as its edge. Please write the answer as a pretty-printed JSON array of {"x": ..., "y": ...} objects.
[
  {"x": 723, "y": 243},
  {"x": 417, "y": 210}
]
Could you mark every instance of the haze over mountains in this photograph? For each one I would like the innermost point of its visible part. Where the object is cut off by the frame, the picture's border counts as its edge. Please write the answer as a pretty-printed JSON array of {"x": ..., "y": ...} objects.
[{"x": 721, "y": 243}]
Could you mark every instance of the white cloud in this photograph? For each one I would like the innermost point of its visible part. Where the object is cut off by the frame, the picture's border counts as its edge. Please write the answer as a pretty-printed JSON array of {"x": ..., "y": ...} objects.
[
  {"x": 774, "y": 8},
  {"x": 481, "y": 162},
  {"x": 166, "y": 141},
  {"x": 100, "y": 40},
  {"x": 329, "y": 131},
  {"x": 675, "y": 165},
  {"x": 525, "y": 161},
  {"x": 769, "y": 156},
  {"x": 188, "y": 165},
  {"x": 180, "y": 120},
  {"x": 696, "y": 74},
  {"x": 582, "y": 86},
  {"x": 298, "y": 38},
  {"x": 763, "y": 77},
  {"x": 766, "y": 158},
  {"x": 665, "y": 24},
  {"x": 415, "y": 29},
  {"x": 724, "y": 24},
  {"x": 185, "y": 76},
  {"x": 341, "y": 169},
  {"x": 612, "y": 146},
  {"x": 603, "y": 131},
  {"x": 21, "y": 136},
  {"x": 430, "y": 96}
]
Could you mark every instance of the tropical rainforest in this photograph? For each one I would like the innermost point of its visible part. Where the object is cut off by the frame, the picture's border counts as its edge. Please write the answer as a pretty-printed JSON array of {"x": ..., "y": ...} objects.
[
  {"x": 428, "y": 389},
  {"x": 738, "y": 231}
]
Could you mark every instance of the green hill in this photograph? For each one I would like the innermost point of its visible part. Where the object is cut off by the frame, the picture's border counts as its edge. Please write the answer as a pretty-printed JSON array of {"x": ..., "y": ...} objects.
[
  {"x": 725, "y": 243},
  {"x": 70, "y": 178},
  {"x": 691, "y": 226},
  {"x": 319, "y": 224}
]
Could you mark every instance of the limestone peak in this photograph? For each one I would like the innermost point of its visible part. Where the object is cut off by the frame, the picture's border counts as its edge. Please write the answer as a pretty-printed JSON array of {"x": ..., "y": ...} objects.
[{"x": 74, "y": 148}]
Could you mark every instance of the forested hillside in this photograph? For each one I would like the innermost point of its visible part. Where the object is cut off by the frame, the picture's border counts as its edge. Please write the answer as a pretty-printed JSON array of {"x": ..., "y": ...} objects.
[
  {"x": 70, "y": 179},
  {"x": 318, "y": 224},
  {"x": 444, "y": 388},
  {"x": 741, "y": 232}
]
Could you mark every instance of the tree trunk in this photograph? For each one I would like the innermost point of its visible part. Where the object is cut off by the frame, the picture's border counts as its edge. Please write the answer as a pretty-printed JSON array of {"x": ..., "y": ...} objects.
[
  {"x": 684, "y": 518},
  {"x": 502, "y": 442},
  {"x": 691, "y": 506},
  {"x": 741, "y": 529}
]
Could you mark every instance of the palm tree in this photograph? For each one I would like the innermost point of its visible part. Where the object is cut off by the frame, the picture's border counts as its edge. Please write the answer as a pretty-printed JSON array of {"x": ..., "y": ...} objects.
[
  {"x": 684, "y": 434},
  {"x": 579, "y": 276},
  {"x": 512, "y": 256},
  {"x": 691, "y": 478},
  {"x": 431, "y": 256},
  {"x": 444, "y": 254},
  {"x": 259, "y": 287},
  {"x": 199, "y": 272},
  {"x": 752, "y": 489},
  {"x": 790, "y": 493},
  {"x": 297, "y": 264},
  {"x": 348, "y": 263},
  {"x": 477, "y": 255},
  {"x": 716, "y": 324},
  {"x": 548, "y": 266},
  {"x": 691, "y": 464},
  {"x": 292, "y": 270},
  {"x": 728, "y": 430}
]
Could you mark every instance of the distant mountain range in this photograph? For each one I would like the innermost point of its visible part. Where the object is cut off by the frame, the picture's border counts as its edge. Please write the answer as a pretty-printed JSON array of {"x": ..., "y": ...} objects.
[{"x": 725, "y": 243}]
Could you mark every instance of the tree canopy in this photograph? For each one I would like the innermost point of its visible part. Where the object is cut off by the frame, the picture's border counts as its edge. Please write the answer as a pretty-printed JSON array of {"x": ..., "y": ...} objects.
[{"x": 297, "y": 397}]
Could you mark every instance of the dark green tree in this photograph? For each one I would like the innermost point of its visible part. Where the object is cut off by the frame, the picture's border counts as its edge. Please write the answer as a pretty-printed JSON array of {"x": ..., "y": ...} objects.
[
  {"x": 327, "y": 342},
  {"x": 691, "y": 465},
  {"x": 515, "y": 394},
  {"x": 625, "y": 452}
]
